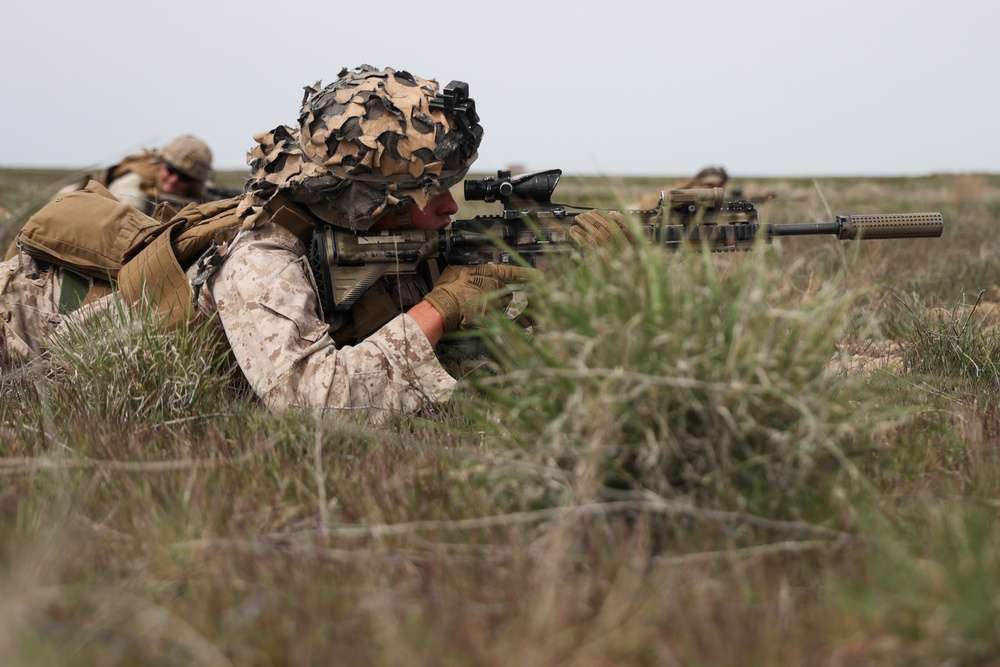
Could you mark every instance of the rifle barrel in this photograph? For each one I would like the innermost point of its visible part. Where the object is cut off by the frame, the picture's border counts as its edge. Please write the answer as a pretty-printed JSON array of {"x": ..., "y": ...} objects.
[{"x": 805, "y": 229}]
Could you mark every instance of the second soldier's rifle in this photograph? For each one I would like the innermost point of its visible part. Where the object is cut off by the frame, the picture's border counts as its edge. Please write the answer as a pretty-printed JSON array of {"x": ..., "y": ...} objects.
[
  {"x": 215, "y": 191},
  {"x": 531, "y": 227}
]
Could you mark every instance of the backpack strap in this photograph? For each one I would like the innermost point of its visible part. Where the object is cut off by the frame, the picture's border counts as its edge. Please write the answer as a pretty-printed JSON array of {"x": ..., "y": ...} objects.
[{"x": 155, "y": 270}]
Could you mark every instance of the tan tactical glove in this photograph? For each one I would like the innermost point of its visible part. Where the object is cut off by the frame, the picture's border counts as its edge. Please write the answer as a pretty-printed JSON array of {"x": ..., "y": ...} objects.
[
  {"x": 601, "y": 229},
  {"x": 463, "y": 293}
]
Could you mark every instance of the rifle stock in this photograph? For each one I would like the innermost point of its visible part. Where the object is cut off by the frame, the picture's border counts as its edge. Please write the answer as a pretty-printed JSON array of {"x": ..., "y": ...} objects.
[{"x": 531, "y": 227}]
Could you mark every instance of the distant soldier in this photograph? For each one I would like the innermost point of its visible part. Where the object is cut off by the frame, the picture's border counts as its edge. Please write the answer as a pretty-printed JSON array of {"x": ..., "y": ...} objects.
[
  {"x": 709, "y": 177},
  {"x": 177, "y": 173}
]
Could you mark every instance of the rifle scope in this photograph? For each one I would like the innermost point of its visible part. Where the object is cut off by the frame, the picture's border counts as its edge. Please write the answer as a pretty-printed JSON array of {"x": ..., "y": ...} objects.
[{"x": 535, "y": 187}]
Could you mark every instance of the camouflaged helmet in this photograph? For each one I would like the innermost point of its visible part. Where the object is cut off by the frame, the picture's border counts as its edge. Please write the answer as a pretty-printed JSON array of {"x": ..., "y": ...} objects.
[
  {"x": 189, "y": 155},
  {"x": 369, "y": 143}
]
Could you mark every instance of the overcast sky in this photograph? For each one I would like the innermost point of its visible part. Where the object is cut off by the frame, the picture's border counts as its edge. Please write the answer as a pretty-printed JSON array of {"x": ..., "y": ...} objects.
[{"x": 613, "y": 87}]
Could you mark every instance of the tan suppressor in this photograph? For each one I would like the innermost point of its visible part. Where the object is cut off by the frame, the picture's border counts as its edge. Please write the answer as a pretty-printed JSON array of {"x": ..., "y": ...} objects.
[{"x": 870, "y": 226}]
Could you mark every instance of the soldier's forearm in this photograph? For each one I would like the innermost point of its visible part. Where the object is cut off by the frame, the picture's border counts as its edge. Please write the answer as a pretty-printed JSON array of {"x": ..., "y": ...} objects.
[{"x": 429, "y": 320}]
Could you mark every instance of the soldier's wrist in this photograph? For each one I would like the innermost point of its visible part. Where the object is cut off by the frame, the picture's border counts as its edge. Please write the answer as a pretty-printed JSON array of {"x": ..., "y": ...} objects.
[{"x": 429, "y": 319}]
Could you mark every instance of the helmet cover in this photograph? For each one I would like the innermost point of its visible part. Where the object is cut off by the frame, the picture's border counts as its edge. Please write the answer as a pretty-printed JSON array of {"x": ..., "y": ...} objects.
[
  {"x": 367, "y": 144},
  {"x": 189, "y": 155}
]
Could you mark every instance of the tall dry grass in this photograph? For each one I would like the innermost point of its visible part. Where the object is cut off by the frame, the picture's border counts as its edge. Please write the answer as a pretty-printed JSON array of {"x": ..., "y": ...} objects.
[
  {"x": 695, "y": 377},
  {"x": 671, "y": 471}
]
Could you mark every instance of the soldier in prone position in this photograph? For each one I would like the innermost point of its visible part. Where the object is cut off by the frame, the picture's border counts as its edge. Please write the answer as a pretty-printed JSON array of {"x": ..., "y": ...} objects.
[
  {"x": 374, "y": 152},
  {"x": 179, "y": 173}
]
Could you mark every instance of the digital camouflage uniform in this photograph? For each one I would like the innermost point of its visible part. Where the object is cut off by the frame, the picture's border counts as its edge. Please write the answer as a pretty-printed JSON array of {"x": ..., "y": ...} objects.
[
  {"x": 366, "y": 145},
  {"x": 29, "y": 307},
  {"x": 266, "y": 300},
  {"x": 370, "y": 144},
  {"x": 373, "y": 360}
]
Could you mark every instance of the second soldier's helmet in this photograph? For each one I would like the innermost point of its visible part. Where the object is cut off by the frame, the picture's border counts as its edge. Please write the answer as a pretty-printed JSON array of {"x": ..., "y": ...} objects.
[
  {"x": 369, "y": 143},
  {"x": 711, "y": 177},
  {"x": 190, "y": 156}
]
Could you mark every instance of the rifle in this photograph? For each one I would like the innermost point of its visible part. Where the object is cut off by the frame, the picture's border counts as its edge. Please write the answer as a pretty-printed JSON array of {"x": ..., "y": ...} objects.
[
  {"x": 211, "y": 192},
  {"x": 532, "y": 229},
  {"x": 214, "y": 191}
]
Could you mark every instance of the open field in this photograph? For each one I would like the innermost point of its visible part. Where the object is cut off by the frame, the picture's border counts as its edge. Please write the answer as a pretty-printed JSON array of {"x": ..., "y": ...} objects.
[{"x": 781, "y": 457}]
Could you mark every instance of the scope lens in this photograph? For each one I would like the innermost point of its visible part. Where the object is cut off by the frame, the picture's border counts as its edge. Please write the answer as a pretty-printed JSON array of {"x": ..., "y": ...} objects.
[{"x": 476, "y": 190}]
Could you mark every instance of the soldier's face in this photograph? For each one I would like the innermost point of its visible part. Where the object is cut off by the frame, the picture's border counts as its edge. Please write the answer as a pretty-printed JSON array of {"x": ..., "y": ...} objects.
[
  {"x": 173, "y": 182},
  {"x": 435, "y": 216}
]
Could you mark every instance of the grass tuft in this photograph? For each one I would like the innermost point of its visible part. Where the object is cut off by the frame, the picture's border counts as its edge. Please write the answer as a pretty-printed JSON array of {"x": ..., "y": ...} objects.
[
  {"x": 695, "y": 376},
  {"x": 123, "y": 364}
]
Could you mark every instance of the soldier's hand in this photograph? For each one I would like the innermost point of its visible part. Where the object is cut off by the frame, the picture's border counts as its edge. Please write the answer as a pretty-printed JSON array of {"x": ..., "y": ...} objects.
[
  {"x": 464, "y": 293},
  {"x": 601, "y": 229}
]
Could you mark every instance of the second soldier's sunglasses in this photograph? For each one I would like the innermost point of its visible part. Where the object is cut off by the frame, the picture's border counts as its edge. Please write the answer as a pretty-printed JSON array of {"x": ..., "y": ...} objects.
[{"x": 174, "y": 171}]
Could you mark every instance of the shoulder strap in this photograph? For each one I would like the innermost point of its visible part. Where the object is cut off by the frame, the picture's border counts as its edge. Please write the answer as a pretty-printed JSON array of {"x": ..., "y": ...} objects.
[{"x": 155, "y": 268}]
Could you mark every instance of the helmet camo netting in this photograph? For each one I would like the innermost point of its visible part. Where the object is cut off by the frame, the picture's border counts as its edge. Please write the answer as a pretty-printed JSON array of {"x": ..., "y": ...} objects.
[{"x": 370, "y": 142}]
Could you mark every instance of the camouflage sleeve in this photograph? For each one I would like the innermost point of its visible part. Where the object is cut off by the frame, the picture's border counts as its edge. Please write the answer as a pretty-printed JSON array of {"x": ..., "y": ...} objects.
[
  {"x": 29, "y": 307},
  {"x": 267, "y": 302}
]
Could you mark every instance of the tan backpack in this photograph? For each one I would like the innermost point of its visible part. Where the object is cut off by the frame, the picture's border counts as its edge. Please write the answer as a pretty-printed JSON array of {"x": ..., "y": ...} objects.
[
  {"x": 155, "y": 265},
  {"x": 87, "y": 231},
  {"x": 91, "y": 233}
]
